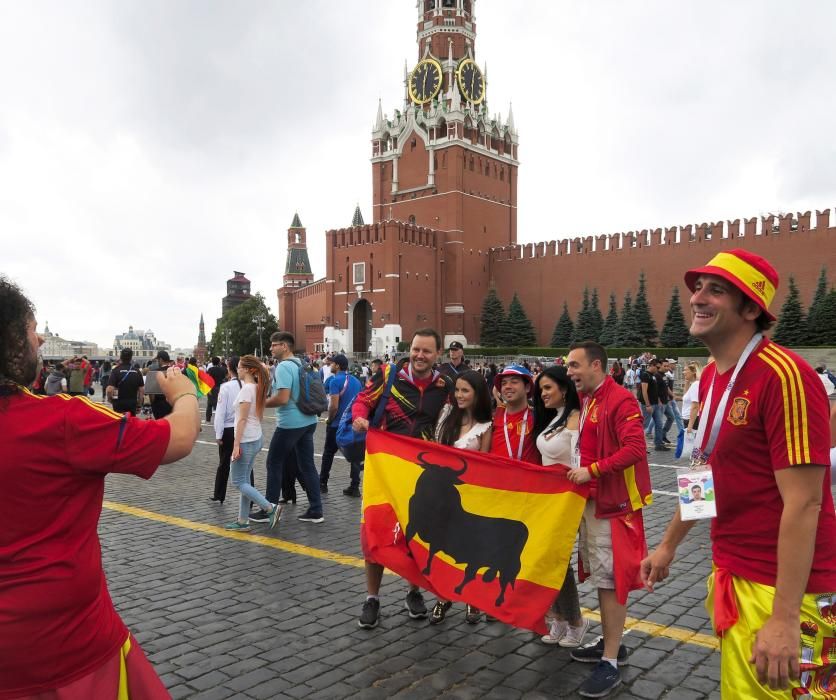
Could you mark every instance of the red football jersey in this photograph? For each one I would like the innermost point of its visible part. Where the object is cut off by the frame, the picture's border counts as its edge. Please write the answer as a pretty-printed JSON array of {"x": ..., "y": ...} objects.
[
  {"x": 777, "y": 417},
  {"x": 511, "y": 447},
  {"x": 57, "y": 619}
]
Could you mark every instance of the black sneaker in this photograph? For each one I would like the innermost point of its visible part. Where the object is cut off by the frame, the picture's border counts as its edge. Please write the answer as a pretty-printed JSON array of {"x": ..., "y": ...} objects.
[
  {"x": 415, "y": 605},
  {"x": 309, "y": 517},
  {"x": 352, "y": 491},
  {"x": 440, "y": 611},
  {"x": 594, "y": 652},
  {"x": 323, "y": 488},
  {"x": 603, "y": 679},
  {"x": 261, "y": 516},
  {"x": 370, "y": 615}
]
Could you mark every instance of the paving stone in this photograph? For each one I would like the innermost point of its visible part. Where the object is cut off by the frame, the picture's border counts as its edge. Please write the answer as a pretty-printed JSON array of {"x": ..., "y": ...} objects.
[{"x": 647, "y": 689}]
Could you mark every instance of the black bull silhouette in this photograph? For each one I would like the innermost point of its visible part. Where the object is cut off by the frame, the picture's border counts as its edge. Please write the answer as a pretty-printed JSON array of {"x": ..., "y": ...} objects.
[{"x": 437, "y": 516}]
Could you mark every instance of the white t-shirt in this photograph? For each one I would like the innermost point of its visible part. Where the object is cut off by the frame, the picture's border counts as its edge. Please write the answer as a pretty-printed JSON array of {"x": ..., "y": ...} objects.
[
  {"x": 252, "y": 428},
  {"x": 556, "y": 446},
  {"x": 690, "y": 396}
]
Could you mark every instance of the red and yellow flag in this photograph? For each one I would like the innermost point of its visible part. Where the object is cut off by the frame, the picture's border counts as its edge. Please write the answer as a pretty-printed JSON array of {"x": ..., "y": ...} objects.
[
  {"x": 202, "y": 381},
  {"x": 472, "y": 527}
]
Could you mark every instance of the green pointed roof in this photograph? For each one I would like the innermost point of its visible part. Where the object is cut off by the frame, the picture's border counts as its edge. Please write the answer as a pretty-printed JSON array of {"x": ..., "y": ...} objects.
[
  {"x": 298, "y": 262},
  {"x": 358, "y": 217},
  {"x": 296, "y": 223}
]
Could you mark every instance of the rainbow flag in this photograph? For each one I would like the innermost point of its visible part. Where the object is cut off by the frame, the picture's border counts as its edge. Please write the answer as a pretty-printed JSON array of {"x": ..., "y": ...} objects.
[
  {"x": 201, "y": 380},
  {"x": 472, "y": 527}
]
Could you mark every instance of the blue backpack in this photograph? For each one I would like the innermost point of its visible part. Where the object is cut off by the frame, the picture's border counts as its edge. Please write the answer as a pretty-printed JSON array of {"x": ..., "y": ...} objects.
[
  {"x": 353, "y": 444},
  {"x": 312, "y": 397}
]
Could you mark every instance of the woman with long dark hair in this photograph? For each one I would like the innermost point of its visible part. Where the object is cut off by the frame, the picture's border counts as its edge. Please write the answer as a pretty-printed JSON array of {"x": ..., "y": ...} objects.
[
  {"x": 248, "y": 440},
  {"x": 465, "y": 424},
  {"x": 556, "y": 429}
]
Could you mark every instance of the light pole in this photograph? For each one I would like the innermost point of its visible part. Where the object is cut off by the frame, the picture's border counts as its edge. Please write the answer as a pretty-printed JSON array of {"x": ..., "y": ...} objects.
[
  {"x": 259, "y": 322},
  {"x": 226, "y": 343}
]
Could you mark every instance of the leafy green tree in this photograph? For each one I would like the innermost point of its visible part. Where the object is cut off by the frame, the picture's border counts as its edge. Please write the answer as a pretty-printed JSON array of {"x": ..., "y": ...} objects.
[
  {"x": 643, "y": 318},
  {"x": 792, "y": 327},
  {"x": 564, "y": 329},
  {"x": 236, "y": 334},
  {"x": 815, "y": 330},
  {"x": 583, "y": 326},
  {"x": 518, "y": 329},
  {"x": 609, "y": 332},
  {"x": 826, "y": 315},
  {"x": 674, "y": 332},
  {"x": 596, "y": 320},
  {"x": 628, "y": 334},
  {"x": 491, "y": 323}
]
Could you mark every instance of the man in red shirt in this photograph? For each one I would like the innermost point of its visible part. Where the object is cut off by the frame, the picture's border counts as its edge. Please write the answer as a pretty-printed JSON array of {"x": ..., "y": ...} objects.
[
  {"x": 611, "y": 456},
  {"x": 764, "y": 436},
  {"x": 513, "y": 422},
  {"x": 60, "y": 633}
]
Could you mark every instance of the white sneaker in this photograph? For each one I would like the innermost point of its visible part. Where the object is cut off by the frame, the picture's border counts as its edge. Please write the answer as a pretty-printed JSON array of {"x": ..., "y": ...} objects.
[
  {"x": 573, "y": 637},
  {"x": 557, "y": 630}
]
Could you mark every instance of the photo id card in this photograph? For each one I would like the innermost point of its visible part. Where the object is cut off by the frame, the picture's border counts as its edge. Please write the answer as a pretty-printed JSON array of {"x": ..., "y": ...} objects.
[{"x": 696, "y": 495}]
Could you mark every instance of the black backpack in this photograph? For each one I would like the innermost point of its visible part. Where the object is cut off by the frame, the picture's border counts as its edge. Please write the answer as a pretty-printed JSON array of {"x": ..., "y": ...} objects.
[{"x": 312, "y": 397}]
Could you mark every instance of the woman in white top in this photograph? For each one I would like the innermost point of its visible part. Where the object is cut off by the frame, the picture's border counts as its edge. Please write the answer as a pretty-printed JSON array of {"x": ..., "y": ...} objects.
[
  {"x": 466, "y": 425},
  {"x": 249, "y": 406},
  {"x": 225, "y": 427},
  {"x": 691, "y": 397},
  {"x": 556, "y": 419}
]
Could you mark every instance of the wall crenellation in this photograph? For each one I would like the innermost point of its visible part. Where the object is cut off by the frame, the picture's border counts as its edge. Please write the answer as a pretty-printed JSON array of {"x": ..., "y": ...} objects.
[
  {"x": 367, "y": 234},
  {"x": 767, "y": 225}
]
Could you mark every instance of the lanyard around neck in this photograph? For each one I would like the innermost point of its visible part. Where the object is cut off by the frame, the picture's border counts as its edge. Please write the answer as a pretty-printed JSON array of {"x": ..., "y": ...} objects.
[
  {"x": 522, "y": 434},
  {"x": 724, "y": 399}
]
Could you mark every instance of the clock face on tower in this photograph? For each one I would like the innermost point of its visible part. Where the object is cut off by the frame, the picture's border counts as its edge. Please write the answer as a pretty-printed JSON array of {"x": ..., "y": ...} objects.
[
  {"x": 425, "y": 81},
  {"x": 471, "y": 81}
]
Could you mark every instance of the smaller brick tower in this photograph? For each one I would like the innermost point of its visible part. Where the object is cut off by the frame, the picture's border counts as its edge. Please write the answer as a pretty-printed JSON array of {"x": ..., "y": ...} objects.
[
  {"x": 297, "y": 272},
  {"x": 200, "y": 349}
]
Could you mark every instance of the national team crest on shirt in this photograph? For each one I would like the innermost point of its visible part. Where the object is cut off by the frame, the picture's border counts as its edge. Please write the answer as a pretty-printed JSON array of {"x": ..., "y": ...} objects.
[
  {"x": 593, "y": 414},
  {"x": 738, "y": 411}
]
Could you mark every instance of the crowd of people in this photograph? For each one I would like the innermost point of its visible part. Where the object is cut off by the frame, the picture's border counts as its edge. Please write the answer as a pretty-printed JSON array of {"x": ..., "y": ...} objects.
[{"x": 757, "y": 415}]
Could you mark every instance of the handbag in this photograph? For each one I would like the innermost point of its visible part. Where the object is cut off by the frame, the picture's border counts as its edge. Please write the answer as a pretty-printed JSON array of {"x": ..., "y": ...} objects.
[{"x": 351, "y": 443}]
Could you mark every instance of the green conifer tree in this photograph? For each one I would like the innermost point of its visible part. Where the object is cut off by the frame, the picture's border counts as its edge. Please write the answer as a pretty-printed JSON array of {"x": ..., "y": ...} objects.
[
  {"x": 674, "y": 332},
  {"x": 582, "y": 326},
  {"x": 827, "y": 317},
  {"x": 492, "y": 320},
  {"x": 609, "y": 332},
  {"x": 815, "y": 331},
  {"x": 628, "y": 334},
  {"x": 792, "y": 327},
  {"x": 519, "y": 331},
  {"x": 564, "y": 329},
  {"x": 596, "y": 320},
  {"x": 643, "y": 318}
]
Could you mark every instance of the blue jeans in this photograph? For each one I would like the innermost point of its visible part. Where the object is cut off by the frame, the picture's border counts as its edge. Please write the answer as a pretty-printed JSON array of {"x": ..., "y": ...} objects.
[
  {"x": 239, "y": 472},
  {"x": 328, "y": 453},
  {"x": 672, "y": 414},
  {"x": 657, "y": 415},
  {"x": 300, "y": 441}
]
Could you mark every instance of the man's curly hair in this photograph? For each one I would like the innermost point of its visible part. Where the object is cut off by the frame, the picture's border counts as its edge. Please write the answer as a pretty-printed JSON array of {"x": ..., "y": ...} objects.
[{"x": 15, "y": 312}]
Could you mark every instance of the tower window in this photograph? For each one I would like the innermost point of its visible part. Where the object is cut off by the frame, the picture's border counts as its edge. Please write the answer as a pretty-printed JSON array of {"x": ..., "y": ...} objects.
[{"x": 359, "y": 273}]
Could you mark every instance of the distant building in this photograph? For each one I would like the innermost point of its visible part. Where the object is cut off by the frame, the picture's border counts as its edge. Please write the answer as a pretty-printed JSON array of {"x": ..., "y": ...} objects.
[
  {"x": 199, "y": 351},
  {"x": 55, "y": 347},
  {"x": 143, "y": 343},
  {"x": 237, "y": 292}
]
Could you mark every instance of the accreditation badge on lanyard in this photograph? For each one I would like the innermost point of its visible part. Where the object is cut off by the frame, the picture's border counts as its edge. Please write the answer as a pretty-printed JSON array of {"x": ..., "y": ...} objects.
[
  {"x": 522, "y": 432},
  {"x": 695, "y": 488}
]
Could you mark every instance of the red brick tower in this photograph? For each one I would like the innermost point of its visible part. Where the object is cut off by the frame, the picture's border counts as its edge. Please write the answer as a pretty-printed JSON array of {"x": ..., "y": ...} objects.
[{"x": 446, "y": 163}]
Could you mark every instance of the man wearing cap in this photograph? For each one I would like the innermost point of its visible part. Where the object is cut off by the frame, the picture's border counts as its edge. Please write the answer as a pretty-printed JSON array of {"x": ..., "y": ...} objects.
[
  {"x": 341, "y": 388},
  {"x": 765, "y": 437},
  {"x": 513, "y": 422},
  {"x": 456, "y": 364},
  {"x": 611, "y": 456}
]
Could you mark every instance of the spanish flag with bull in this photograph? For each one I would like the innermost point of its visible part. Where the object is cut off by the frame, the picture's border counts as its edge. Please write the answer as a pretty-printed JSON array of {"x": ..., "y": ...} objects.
[{"x": 471, "y": 527}]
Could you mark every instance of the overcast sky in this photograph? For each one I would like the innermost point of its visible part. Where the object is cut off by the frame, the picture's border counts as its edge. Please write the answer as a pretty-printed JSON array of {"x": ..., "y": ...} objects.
[{"x": 148, "y": 149}]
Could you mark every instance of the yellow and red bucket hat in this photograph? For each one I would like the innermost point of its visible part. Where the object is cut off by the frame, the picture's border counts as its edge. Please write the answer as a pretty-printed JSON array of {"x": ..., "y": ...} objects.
[{"x": 750, "y": 273}]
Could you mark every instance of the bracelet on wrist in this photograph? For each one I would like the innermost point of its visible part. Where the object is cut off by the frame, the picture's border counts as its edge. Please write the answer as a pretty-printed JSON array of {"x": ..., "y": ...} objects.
[{"x": 180, "y": 396}]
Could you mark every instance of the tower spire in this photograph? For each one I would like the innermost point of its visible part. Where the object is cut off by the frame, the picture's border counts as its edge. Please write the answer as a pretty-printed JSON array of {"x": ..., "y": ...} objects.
[{"x": 378, "y": 122}]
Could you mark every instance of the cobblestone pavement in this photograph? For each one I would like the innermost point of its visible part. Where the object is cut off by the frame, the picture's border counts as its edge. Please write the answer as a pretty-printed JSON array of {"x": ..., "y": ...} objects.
[{"x": 274, "y": 615}]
